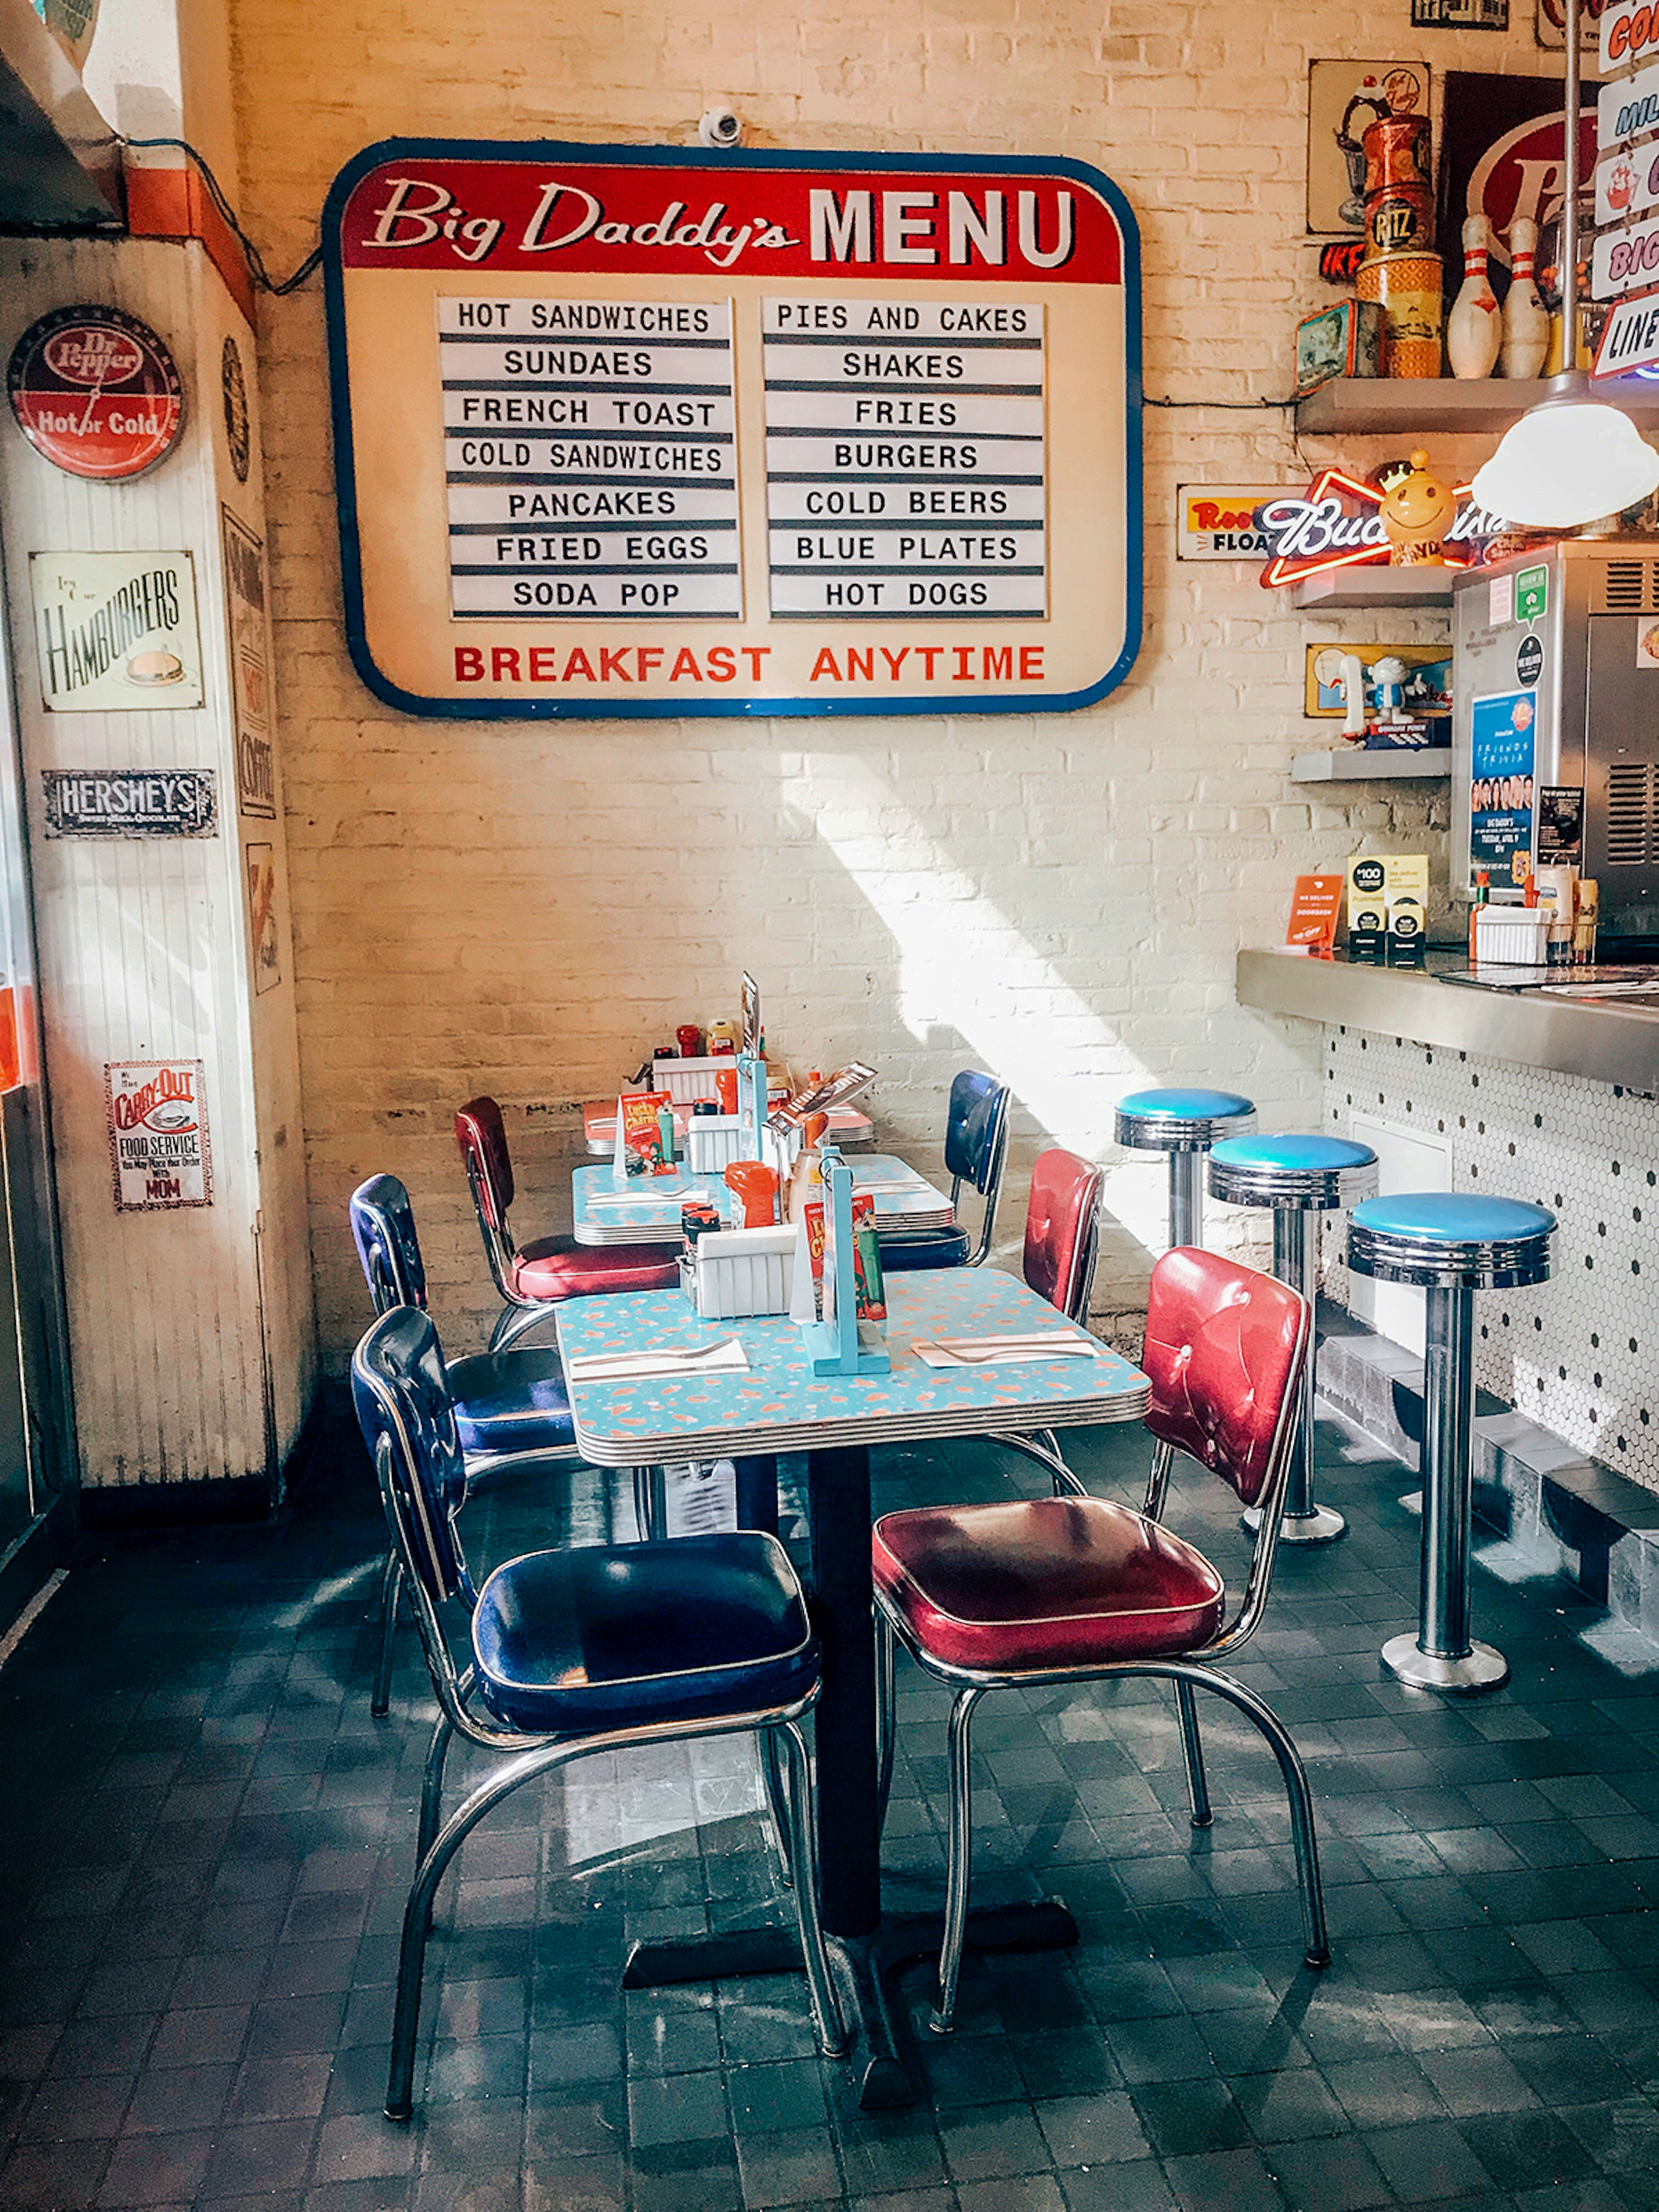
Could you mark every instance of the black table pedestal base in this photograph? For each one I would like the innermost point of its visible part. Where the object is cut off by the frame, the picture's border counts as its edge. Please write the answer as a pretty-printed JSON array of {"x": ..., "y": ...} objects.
[{"x": 867, "y": 1968}]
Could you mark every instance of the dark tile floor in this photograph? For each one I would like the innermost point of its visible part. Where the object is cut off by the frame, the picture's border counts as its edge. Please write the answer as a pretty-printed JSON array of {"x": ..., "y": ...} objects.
[{"x": 205, "y": 1837}]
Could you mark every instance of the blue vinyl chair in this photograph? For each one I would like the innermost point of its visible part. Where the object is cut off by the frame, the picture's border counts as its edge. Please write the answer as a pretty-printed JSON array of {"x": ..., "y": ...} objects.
[
  {"x": 511, "y": 1412},
  {"x": 598, "y": 1648},
  {"x": 976, "y": 1150}
]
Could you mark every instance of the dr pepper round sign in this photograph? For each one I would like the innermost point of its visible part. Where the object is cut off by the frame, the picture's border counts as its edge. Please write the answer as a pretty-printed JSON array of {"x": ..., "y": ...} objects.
[
  {"x": 96, "y": 393},
  {"x": 639, "y": 431}
]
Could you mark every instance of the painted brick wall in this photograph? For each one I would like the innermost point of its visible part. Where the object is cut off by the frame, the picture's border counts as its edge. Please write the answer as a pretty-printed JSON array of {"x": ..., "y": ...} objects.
[{"x": 527, "y": 910}]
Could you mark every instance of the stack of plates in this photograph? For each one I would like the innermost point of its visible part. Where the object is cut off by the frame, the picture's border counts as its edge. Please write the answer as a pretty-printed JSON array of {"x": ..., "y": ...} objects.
[
  {"x": 644, "y": 1211},
  {"x": 904, "y": 1199}
]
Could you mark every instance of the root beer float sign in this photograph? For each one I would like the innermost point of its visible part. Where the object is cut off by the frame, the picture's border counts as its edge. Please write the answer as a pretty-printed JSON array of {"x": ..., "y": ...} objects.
[{"x": 634, "y": 431}]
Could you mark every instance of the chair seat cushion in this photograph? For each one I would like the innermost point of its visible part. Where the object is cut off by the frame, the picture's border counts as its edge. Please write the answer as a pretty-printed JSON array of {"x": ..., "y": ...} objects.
[
  {"x": 936, "y": 1248},
  {"x": 553, "y": 1267},
  {"x": 511, "y": 1402},
  {"x": 611, "y": 1637},
  {"x": 1044, "y": 1582}
]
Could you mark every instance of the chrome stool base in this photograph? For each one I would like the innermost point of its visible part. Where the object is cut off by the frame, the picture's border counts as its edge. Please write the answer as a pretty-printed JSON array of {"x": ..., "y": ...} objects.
[
  {"x": 1451, "y": 1245},
  {"x": 1323, "y": 1525},
  {"x": 1480, "y": 1668}
]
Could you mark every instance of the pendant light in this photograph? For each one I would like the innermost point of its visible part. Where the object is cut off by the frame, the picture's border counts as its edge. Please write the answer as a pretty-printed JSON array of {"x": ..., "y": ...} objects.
[{"x": 1571, "y": 458}]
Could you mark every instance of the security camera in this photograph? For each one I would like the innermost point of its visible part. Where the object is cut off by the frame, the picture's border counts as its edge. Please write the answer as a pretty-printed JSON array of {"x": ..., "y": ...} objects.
[{"x": 721, "y": 126}]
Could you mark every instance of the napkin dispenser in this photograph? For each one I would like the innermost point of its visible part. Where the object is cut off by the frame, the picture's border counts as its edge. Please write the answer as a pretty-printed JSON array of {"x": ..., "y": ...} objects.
[{"x": 729, "y": 1272}]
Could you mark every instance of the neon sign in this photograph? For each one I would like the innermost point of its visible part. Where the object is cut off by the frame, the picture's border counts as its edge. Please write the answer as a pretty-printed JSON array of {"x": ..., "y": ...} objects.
[{"x": 1339, "y": 524}]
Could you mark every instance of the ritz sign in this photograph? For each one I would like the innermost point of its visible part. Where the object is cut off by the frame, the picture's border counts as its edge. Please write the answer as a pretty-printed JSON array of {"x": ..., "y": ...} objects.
[{"x": 682, "y": 434}]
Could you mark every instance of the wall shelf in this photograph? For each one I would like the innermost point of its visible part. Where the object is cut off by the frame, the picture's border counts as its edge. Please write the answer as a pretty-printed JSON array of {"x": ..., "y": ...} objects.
[
  {"x": 1353, "y": 764},
  {"x": 1408, "y": 406},
  {"x": 1373, "y": 585}
]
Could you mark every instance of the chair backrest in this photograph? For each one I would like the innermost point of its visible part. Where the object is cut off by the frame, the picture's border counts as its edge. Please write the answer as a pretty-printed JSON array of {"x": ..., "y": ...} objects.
[
  {"x": 975, "y": 1148},
  {"x": 482, "y": 1135},
  {"x": 383, "y": 1228},
  {"x": 976, "y": 1129},
  {"x": 403, "y": 1410},
  {"x": 1225, "y": 1351},
  {"x": 1062, "y": 1231}
]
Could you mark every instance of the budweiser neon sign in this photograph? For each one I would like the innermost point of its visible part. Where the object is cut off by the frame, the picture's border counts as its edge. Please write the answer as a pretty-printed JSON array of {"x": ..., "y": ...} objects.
[{"x": 1339, "y": 524}]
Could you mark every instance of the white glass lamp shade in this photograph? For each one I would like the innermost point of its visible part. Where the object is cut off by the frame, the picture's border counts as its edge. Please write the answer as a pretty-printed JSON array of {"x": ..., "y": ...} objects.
[{"x": 1567, "y": 461}]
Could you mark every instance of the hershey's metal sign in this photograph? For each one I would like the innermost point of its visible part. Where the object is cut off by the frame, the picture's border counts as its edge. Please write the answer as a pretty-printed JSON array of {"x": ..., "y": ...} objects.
[{"x": 129, "y": 802}]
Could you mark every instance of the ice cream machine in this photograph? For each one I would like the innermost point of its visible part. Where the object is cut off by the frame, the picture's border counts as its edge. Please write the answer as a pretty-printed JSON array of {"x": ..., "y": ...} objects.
[{"x": 1555, "y": 733}]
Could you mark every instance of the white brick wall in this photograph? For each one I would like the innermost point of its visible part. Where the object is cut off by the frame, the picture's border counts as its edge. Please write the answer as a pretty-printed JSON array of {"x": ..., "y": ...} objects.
[{"x": 527, "y": 909}]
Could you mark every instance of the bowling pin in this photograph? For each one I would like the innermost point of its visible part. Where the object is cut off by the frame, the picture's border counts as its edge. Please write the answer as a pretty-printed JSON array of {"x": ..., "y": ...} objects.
[
  {"x": 1474, "y": 330},
  {"x": 1526, "y": 324}
]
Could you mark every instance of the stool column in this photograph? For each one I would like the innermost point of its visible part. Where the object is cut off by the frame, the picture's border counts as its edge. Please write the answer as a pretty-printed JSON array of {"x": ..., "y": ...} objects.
[
  {"x": 1296, "y": 1261},
  {"x": 1443, "y": 1655},
  {"x": 1186, "y": 1199},
  {"x": 1450, "y": 1243},
  {"x": 1185, "y": 1124}
]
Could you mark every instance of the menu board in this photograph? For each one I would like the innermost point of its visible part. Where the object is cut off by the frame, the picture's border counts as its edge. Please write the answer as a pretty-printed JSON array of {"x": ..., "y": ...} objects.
[
  {"x": 589, "y": 454},
  {"x": 904, "y": 457},
  {"x": 644, "y": 432}
]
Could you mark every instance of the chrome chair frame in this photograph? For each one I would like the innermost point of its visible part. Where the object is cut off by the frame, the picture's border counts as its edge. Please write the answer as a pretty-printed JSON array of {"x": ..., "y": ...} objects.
[
  {"x": 528, "y": 1757},
  {"x": 1188, "y": 1671}
]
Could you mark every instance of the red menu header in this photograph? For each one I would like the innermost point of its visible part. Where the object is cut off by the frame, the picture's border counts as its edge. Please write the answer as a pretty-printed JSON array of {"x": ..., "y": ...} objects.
[{"x": 622, "y": 219}]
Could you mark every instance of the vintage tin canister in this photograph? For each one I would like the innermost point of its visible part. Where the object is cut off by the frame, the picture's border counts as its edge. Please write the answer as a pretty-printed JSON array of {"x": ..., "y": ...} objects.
[
  {"x": 1407, "y": 286},
  {"x": 1344, "y": 340},
  {"x": 1399, "y": 221},
  {"x": 1397, "y": 152}
]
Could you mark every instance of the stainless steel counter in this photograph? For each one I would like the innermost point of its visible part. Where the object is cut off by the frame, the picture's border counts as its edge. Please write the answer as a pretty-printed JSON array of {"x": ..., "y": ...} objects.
[{"x": 1608, "y": 1040}]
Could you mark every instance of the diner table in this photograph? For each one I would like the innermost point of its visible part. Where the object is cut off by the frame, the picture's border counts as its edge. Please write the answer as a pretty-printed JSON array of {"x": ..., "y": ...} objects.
[
  {"x": 847, "y": 1125},
  {"x": 774, "y": 1404},
  {"x": 645, "y": 1209}
]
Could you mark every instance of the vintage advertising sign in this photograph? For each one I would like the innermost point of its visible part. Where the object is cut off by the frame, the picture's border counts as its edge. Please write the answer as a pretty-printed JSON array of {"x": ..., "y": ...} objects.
[
  {"x": 1624, "y": 260},
  {"x": 1630, "y": 337},
  {"x": 1550, "y": 24},
  {"x": 159, "y": 1154},
  {"x": 1217, "y": 522},
  {"x": 1626, "y": 183},
  {"x": 625, "y": 430},
  {"x": 1627, "y": 108},
  {"x": 250, "y": 666},
  {"x": 96, "y": 393},
  {"x": 1501, "y": 155},
  {"x": 129, "y": 802},
  {"x": 1460, "y": 14},
  {"x": 260, "y": 861},
  {"x": 1338, "y": 524},
  {"x": 1629, "y": 33},
  {"x": 116, "y": 631}
]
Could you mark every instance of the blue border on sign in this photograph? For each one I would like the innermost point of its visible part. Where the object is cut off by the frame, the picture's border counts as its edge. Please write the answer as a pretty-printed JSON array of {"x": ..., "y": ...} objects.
[{"x": 543, "y": 149}]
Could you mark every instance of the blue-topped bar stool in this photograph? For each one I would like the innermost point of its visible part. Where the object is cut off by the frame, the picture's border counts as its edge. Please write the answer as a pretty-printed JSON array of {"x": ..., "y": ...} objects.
[
  {"x": 1452, "y": 1244},
  {"x": 1185, "y": 1124},
  {"x": 1300, "y": 1178}
]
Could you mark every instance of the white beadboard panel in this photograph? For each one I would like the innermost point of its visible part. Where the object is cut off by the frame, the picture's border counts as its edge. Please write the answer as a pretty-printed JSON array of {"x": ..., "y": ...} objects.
[
  {"x": 270, "y": 1065},
  {"x": 143, "y": 946}
]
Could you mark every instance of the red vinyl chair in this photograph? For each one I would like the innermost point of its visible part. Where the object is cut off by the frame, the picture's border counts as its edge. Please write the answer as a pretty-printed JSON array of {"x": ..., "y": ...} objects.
[
  {"x": 534, "y": 1277},
  {"x": 1062, "y": 1243},
  {"x": 1049, "y": 1591}
]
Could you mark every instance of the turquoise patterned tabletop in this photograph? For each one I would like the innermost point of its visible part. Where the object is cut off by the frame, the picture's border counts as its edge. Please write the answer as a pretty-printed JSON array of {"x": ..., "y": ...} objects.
[{"x": 779, "y": 1405}]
